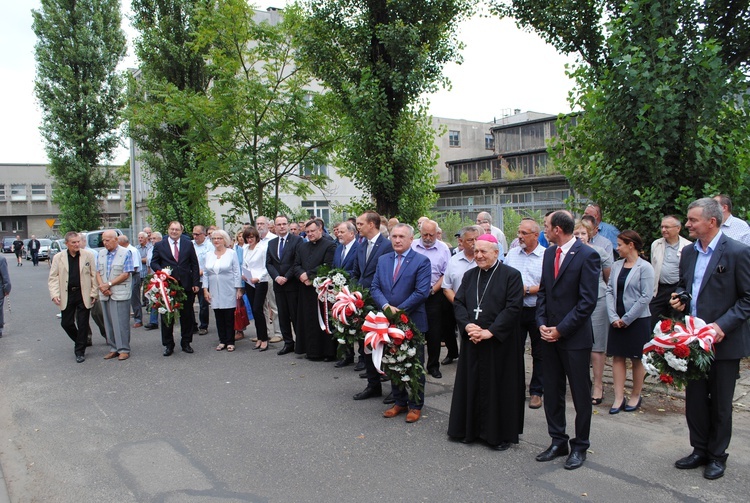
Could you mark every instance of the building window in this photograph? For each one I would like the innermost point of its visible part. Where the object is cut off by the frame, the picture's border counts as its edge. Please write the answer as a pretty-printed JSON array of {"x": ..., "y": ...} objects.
[
  {"x": 38, "y": 192},
  {"x": 3, "y": 226},
  {"x": 454, "y": 138},
  {"x": 18, "y": 192},
  {"x": 17, "y": 225},
  {"x": 317, "y": 209},
  {"x": 489, "y": 141},
  {"x": 114, "y": 194},
  {"x": 309, "y": 169},
  {"x": 2, "y": 192}
]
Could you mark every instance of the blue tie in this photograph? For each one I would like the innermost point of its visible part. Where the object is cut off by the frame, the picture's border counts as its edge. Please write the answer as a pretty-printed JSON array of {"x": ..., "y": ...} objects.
[{"x": 281, "y": 248}]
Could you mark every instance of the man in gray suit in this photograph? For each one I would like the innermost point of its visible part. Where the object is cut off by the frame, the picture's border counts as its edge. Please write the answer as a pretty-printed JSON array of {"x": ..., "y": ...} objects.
[{"x": 715, "y": 271}]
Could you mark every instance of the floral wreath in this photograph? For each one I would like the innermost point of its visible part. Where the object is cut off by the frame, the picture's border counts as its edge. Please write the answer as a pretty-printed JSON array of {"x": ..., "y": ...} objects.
[
  {"x": 343, "y": 303},
  {"x": 165, "y": 294},
  {"x": 393, "y": 340},
  {"x": 679, "y": 352}
]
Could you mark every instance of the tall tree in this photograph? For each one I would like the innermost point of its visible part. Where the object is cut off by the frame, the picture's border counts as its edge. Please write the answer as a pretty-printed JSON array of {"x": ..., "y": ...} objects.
[
  {"x": 658, "y": 86},
  {"x": 378, "y": 57},
  {"x": 170, "y": 72},
  {"x": 79, "y": 45},
  {"x": 259, "y": 128}
]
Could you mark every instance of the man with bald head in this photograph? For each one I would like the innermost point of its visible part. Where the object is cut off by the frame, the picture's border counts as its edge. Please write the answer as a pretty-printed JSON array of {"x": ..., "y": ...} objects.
[
  {"x": 113, "y": 277},
  {"x": 439, "y": 310}
]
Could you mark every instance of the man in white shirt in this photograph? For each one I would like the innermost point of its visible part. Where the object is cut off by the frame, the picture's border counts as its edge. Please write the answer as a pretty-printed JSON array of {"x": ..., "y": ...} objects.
[
  {"x": 270, "y": 310},
  {"x": 484, "y": 219},
  {"x": 731, "y": 226},
  {"x": 202, "y": 247},
  {"x": 135, "y": 277},
  {"x": 527, "y": 258}
]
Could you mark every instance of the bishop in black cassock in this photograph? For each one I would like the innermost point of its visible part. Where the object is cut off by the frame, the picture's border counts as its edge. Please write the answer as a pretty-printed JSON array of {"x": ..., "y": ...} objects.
[{"x": 488, "y": 395}]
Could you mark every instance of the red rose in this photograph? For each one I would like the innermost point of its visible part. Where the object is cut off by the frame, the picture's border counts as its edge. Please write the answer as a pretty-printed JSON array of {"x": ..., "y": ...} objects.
[
  {"x": 177, "y": 306},
  {"x": 659, "y": 350},
  {"x": 667, "y": 379},
  {"x": 349, "y": 311},
  {"x": 404, "y": 318},
  {"x": 665, "y": 326},
  {"x": 394, "y": 350},
  {"x": 408, "y": 334},
  {"x": 359, "y": 303},
  {"x": 681, "y": 351}
]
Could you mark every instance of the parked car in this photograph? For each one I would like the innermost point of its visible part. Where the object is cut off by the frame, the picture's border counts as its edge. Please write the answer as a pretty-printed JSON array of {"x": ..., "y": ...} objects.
[
  {"x": 93, "y": 239},
  {"x": 8, "y": 244},
  {"x": 57, "y": 246},
  {"x": 44, "y": 245}
]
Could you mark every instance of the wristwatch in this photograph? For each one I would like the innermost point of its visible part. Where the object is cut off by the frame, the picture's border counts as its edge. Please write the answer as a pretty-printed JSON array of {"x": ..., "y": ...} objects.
[{"x": 528, "y": 290}]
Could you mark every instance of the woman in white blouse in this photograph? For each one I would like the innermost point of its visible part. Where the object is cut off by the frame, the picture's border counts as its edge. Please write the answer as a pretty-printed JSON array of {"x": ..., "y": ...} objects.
[
  {"x": 256, "y": 279},
  {"x": 222, "y": 286}
]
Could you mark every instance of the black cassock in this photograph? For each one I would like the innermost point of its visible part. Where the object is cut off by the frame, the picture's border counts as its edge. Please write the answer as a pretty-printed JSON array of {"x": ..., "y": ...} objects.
[
  {"x": 489, "y": 395},
  {"x": 310, "y": 338}
]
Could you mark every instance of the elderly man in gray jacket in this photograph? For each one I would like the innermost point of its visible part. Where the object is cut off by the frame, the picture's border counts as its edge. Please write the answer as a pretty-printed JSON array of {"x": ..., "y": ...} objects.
[{"x": 113, "y": 275}]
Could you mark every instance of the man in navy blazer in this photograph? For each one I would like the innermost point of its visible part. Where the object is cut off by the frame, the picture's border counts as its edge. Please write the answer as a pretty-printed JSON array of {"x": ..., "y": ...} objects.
[
  {"x": 178, "y": 254},
  {"x": 368, "y": 225},
  {"x": 402, "y": 282},
  {"x": 282, "y": 252},
  {"x": 566, "y": 298},
  {"x": 344, "y": 257},
  {"x": 715, "y": 271}
]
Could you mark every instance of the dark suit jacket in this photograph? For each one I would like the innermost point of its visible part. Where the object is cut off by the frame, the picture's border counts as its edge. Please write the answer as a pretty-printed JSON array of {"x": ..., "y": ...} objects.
[
  {"x": 568, "y": 301},
  {"x": 410, "y": 289},
  {"x": 349, "y": 260},
  {"x": 187, "y": 271},
  {"x": 724, "y": 296},
  {"x": 364, "y": 270},
  {"x": 285, "y": 266}
]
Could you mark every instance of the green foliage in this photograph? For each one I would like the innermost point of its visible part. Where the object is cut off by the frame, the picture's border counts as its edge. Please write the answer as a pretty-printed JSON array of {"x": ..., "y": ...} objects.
[
  {"x": 661, "y": 122},
  {"x": 79, "y": 44},
  {"x": 512, "y": 219},
  {"x": 463, "y": 177},
  {"x": 451, "y": 222},
  {"x": 377, "y": 58},
  {"x": 485, "y": 176},
  {"x": 171, "y": 72},
  {"x": 258, "y": 129}
]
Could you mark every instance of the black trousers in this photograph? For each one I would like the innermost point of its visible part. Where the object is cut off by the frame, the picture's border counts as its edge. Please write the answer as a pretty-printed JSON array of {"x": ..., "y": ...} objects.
[
  {"x": 225, "y": 325},
  {"x": 257, "y": 297},
  {"x": 708, "y": 409},
  {"x": 442, "y": 323},
  {"x": 202, "y": 310},
  {"x": 529, "y": 326},
  {"x": 35, "y": 257},
  {"x": 286, "y": 303},
  {"x": 560, "y": 364},
  {"x": 659, "y": 305},
  {"x": 187, "y": 319},
  {"x": 75, "y": 320}
]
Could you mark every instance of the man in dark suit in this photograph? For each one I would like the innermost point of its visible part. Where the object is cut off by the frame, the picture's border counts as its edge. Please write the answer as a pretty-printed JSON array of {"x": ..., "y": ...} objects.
[
  {"x": 373, "y": 246},
  {"x": 715, "y": 271},
  {"x": 566, "y": 298},
  {"x": 344, "y": 258},
  {"x": 282, "y": 252},
  {"x": 402, "y": 282},
  {"x": 178, "y": 254}
]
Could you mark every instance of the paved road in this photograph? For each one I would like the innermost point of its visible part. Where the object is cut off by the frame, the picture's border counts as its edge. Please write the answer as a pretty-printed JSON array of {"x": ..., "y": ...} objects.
[{"x": 249, "y": 426}]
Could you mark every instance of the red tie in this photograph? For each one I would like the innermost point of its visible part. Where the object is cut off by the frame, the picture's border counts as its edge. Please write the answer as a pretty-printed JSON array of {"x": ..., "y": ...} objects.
[
  {"x": 557, "y": 260},
  {"x": 398, "y": 267},
  {"x": 177, "y": 254}
]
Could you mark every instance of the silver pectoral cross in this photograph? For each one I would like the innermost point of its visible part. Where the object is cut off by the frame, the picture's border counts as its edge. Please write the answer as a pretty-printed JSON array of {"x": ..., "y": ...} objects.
[{"x": 476, "y": 312}]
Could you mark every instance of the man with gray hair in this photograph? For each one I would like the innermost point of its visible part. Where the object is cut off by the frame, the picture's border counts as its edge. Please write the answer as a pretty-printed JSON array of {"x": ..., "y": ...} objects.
[
  {"x": 135, "y": 301},
  {"x": 484, "y": 218},
  {"x": 114, "y": 272},
  {"x": 270, "y": 310},
  {"x": 202, "y": 247},
  {"x": 731, "y": 226},
  {"x": 715, "y": 272}
]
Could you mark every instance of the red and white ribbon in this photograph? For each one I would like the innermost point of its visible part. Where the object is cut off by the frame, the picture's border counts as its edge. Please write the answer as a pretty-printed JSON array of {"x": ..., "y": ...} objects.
[
  {"x": 378, "y": 333},
  {"x": 159, "y": 281},
  {"x": 323, "y": 297},
  {"x": 695, "y": 329},
  {"x": 345, "y": 305}
]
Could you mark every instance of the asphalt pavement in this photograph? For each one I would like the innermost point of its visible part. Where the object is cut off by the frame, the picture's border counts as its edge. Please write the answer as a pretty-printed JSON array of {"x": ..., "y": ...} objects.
[{"x": 249, "y": 426}]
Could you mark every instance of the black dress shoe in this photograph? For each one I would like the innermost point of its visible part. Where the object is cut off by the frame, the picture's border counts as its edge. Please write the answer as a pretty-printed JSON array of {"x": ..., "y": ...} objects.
[
  {"x": 368, "y": 392},
  {"x": 286, "y": 349},
  {"x": 389, "y": 399},
  {"x": 436, "y": 374},
  {"x": 343, "y": 362},
  {"x": 363, "y": 375},
  {"x": 329, "y": 359},
  {"x": 80, "y": 358},
  {"x": 552, "y": 452},
  {"x": 168, "y": 351},
  {"x": 714, "y": 469},
  {"x": 149, "y": 326},
  {"x": 575, "y": 460},
  {"x": 187, "y": 349},
  {"x": 692, "y": 461},
  {"x": 448, "y": 360},
  {"x": 502, "y": 446},
  {"x": 360, "y": 366}
]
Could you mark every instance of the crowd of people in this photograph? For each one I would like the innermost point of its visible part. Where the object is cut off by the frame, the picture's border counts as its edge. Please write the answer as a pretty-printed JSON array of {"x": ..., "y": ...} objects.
[{"x": 581, "y": 290}]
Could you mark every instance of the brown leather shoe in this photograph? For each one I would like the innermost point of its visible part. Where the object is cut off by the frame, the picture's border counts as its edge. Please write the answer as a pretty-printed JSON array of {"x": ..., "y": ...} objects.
[
  {"x": 137, "y": 325},
  {"x": 109, "y": 356},
  {"x": 394, "y": 411},
  {"x": 124, "y": 356},
  {"x": 413, "y": 415},
  {"x": 535, "y": 402}
]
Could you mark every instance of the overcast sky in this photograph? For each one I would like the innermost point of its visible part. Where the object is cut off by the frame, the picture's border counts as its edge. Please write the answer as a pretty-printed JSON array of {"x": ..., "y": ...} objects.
[{"x": 503, "y": 69}]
